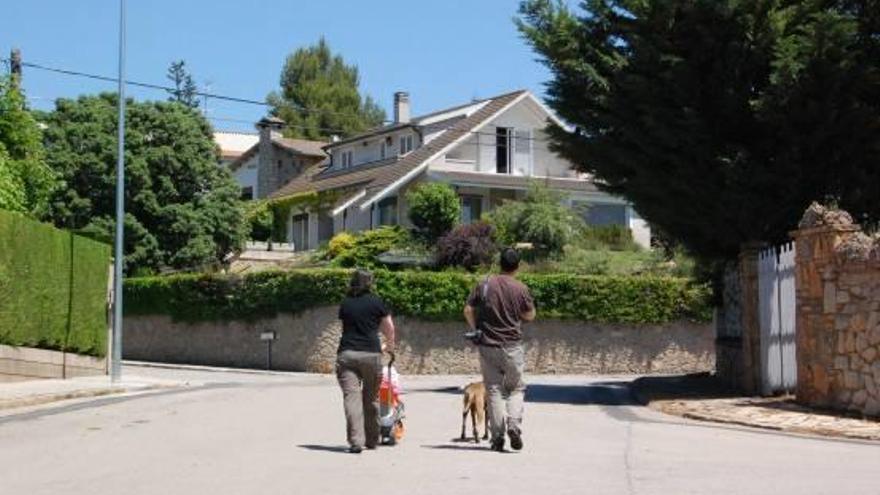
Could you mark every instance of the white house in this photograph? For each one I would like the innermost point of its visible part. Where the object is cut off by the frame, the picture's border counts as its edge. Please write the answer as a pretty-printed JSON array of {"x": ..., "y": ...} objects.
[{"x": 488, "y": 150}]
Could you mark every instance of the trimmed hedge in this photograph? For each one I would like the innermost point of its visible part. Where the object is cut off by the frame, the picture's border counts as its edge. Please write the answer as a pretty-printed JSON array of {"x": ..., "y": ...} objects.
[
  {"x": 426, "y": 295},
  {"x": 53, "y": 287}
]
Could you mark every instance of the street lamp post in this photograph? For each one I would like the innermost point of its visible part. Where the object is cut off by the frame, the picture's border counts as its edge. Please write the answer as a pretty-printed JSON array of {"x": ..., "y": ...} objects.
[{"x": 116, "y": 354}]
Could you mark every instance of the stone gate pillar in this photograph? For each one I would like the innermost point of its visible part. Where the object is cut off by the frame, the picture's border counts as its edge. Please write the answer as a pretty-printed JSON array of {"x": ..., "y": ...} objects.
[{"x": 817, "y": 309}]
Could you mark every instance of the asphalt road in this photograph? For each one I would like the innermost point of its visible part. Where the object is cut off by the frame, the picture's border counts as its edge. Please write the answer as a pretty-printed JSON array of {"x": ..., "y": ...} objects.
[{"x": 235, "y": 433}]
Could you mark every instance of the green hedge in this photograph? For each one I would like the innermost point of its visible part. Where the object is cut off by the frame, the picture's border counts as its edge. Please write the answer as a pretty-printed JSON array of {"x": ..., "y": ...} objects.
[
  {"x": 426, "y": 295},
  {"x": 53, "y": 287}
]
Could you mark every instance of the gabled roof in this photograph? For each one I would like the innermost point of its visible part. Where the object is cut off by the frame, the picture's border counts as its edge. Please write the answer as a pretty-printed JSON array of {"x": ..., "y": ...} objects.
[
  {"x": 233, "y": 144},
  {"x": 377, "y": 177},
  {"x": 302, "y": 147},
  {"x": 458, "y": 110}
]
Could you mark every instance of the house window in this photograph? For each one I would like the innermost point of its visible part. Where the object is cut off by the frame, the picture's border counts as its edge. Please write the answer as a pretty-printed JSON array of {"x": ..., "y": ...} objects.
[
  {"x": 471, "y": 209},
  {"x": 598, "y": 214},
  {"x": 347, "y": 158},
  {"x": 388, "y": 211},
  {"x": 406, "y": 144},
  {"x": 503, "y": 149},
  {"x": 247, "y": 193}
]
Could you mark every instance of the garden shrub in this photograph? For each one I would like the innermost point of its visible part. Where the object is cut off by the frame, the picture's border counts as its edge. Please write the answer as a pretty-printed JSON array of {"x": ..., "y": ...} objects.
[
  {"x": 468, "y": 246},
  {"x": 339, "y": 244},
  {"x": 368, "y": 245},
  {"x": 425, "y": 295},
  {"x": 434, "y": 209},
  {"x": 53, "y": 287},
  {"x": 614, "y": 237},
  {"x": 541, "y": 219},
  {"x": 260, "y": 221}
]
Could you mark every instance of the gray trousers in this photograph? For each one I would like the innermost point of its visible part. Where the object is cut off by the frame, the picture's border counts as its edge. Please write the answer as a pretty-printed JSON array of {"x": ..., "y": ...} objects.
[
  {"x": 360, "y": 375},
  {"x": 502, "y": 369}
]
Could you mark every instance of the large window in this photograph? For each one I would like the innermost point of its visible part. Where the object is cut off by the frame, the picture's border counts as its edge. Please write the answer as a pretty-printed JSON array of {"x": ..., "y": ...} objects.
[
  {"x": 471, "y": 209},
  {"x": 247, "y": 193},
  {"x": 599, "y": 214},
  {"x": 388, "y": 211},
  {"x": 503, "y": 150}
]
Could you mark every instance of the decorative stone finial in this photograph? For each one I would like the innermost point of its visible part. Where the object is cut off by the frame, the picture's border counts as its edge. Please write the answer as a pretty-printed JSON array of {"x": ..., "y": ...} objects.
[{"x": 818, "y": 215}]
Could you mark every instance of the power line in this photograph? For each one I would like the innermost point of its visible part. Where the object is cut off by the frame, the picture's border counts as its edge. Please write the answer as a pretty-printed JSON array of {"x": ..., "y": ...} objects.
[
  {"x": 159, "y": 87},
  {"x": 235, "y": 99}
]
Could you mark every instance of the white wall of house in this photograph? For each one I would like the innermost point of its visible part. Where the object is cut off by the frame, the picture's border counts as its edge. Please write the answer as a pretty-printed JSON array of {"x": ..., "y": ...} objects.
[
  {"x": 246, "y": 175},
  {"x": 370, "y": 149},
  {"x": 531, "y": 156},
  {"x": 641, "y": 232}
]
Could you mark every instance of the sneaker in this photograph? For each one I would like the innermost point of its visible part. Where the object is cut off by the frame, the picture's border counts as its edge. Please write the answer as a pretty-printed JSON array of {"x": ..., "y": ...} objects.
[
  {"x": 355, "y": 449},
  {"x": 498, "y": 444},
  {"x": 516, "y": 442},
  {"x": 370, "y": 447}
]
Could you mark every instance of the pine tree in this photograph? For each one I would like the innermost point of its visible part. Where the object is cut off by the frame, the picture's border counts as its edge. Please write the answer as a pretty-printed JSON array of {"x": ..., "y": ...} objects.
[
  {"x": 319, "y": 96},
  {"x": 721, "y": 120},
  {"x": 185, "y": 89}
]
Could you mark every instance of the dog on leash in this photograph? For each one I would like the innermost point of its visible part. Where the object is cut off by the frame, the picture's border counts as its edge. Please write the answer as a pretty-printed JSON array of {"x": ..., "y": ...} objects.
[{"x": 475, "y": 404}]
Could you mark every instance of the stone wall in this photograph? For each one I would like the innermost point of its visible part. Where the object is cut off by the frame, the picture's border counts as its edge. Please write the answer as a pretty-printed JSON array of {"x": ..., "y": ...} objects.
[
  {"x": 307, "y": 342},
  {"x": 728, "y": 330},
  {"x": 26, "y": 363},
  {"x": 838, "y": 313}
]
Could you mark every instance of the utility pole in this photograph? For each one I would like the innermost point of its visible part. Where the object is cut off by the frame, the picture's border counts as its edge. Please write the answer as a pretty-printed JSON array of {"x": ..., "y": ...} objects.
[
  {"x": 116, "y": 355},
  {"x": 205, "y": 98},
  {"x": 15, "y": 66}
]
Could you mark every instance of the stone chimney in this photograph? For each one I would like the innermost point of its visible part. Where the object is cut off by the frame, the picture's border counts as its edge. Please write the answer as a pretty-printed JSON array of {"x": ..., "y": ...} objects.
[
  {"x": 267, "y": 169},
  {"x": 401, "y": 107}
]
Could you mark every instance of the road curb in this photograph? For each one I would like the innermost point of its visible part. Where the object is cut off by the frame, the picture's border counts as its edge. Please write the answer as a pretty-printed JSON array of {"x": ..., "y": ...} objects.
[
  {"x": 43, "y": 399},
  {"x": 642, "y": 395}
]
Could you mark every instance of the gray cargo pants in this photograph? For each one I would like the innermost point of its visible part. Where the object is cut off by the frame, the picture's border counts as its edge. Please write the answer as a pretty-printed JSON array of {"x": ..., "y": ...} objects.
[
  {"x": 360, "y": 375},
  {"x": 502, "y": 369}
]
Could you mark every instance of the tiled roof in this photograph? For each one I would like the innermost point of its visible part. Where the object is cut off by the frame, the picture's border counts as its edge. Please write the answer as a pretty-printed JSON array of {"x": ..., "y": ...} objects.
[
  {"x": 302, "y": 146},
  {"x": 299, "y": 146},
  {"x": 515, "y": 181},
  {"x": 375, "y": 177}
]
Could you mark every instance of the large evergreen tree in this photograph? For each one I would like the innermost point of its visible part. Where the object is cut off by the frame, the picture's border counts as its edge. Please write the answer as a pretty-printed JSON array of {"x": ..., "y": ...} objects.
[
  {"x": 182, "y": 209},
  {"x": 720, "y": 119},
  {"x": 25, "y": 180},
  {"x": 319, "y": 96}
]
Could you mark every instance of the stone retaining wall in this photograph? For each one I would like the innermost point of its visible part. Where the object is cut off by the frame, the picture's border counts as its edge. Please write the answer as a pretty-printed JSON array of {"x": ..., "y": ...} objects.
[
  {"x": 307, "y": 342},
  {"x": 26, "y": 363},
  {"x": 838, "y": 314}
]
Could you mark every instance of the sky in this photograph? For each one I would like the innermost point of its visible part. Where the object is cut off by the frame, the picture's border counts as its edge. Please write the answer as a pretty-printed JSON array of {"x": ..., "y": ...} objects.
[{"x": 443, "y": 52}]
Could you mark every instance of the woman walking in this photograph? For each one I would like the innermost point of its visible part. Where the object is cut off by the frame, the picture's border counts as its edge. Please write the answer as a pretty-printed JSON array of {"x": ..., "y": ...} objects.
[{"x": 359, "y": 359}]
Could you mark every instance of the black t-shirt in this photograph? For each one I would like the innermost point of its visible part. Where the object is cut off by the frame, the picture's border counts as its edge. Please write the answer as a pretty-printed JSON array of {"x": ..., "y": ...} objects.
[{"x": 360, "y": 323}]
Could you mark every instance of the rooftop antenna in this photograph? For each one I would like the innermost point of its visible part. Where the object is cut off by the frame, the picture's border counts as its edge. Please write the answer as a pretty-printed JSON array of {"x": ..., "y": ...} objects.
[{"x": 208, "y": 84}]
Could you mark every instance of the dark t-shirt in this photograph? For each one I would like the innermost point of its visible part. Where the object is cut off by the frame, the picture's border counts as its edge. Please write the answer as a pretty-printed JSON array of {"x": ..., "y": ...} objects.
[
  {"x": 499, "y": 316},
  {"x": 360, "y": 323}
]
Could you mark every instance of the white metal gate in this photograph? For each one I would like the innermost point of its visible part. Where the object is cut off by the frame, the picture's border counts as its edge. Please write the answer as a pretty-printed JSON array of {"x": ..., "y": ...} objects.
[{"x": 776, "y": 286}]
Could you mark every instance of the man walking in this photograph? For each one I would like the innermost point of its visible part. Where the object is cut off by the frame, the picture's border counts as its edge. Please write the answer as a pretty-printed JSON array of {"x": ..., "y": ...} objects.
[{"x": 497, "y": 307}]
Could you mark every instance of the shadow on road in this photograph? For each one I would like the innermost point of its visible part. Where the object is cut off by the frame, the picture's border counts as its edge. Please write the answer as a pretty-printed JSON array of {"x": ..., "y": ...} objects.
[
  {"x": 608, "y": 393},
  {"x": 474, "y": 447},
  {"x": 326, "y": 448},
  {"x": 598, "y": 394}
]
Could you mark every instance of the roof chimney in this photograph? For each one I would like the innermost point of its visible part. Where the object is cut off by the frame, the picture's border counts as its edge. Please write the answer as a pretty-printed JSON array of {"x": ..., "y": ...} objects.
[{"x": 401, "y": 107}]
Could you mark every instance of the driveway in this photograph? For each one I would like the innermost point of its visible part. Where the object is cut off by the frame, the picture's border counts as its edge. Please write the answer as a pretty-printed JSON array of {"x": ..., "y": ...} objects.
[{"x": 247, "y": 433}]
